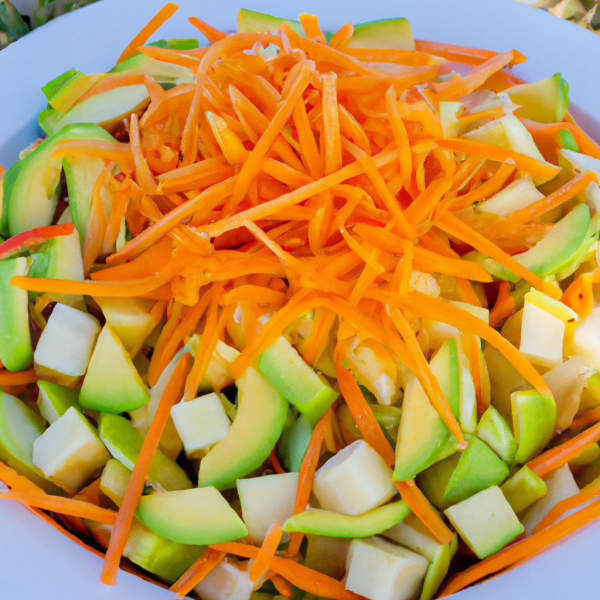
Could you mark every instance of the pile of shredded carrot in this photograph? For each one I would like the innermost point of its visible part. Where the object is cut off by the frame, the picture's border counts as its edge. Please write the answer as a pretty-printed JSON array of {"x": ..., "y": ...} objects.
[{"x": 317, "y": 178}]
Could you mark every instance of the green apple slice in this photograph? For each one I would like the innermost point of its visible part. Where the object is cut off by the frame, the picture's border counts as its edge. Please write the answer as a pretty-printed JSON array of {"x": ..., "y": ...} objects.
[
  {"x": 327, "y": 523},
  {"x": 586, "y": 342},
  {"x": 54, "y": 400},
  {"x": 257, "y": 426},
  {"x": 385, "y": 33},
  {"x": 544, "y": 101},
  {"x": 293, "y": 444},
  {"x": 496, "y": 433},
  {"x": 251, "y": 20},
  {"x": 523, "y": 489},
  {"x": 114, "y": 480},
  {"x": 112, "y": 383},
  {"x": 199, "y": 516},
  {"x": 515, "y": 196},
  {"x": 63, "y": 91}
]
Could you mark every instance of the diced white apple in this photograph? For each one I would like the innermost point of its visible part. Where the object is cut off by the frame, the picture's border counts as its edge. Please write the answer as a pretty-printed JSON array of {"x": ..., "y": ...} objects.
[
  {"x": 519, "y": 139},
  {"x": 354, "y": 481},
  {"x": 554, "y": 307},
  {"x": 229, "y": 580},
  {"x": 218, "y": 375},
  {"x": 114, "y": 480},
  {"x": 513, "y": 197},
  {"x": 70, "y": 450},
  {"x": 66, "y": 344},
  {"x": 468, "y": 401},
  {"x": 380, "y": 570},
  {"x": 200, "y": 423},
  {"x": 561, "y": 485},
  {"x": 586, "y": 339},
  {"x": 409, "y": 532},
  {"x": 541, "y": 336},
  {"x": 476, "y": 311},
  {"x": 54, "y": 400},
  {"x": 327, "y": 554},
  {"x": 265, "y": 500}
]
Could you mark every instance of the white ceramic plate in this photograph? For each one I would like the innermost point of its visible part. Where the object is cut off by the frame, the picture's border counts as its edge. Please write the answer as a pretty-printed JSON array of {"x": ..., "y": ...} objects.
[{"x": 38, "y": 562}]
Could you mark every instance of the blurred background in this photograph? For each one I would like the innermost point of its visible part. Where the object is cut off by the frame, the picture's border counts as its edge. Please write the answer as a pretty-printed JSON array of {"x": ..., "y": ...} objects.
[{"x": 18, "y": 17}]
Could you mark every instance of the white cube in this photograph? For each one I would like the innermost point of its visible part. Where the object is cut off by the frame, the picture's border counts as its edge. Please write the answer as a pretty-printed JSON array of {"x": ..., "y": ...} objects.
[
  {"x": 354, "y": 481},
  {"x": 66, "y": 343},
  {"x": 200, "y": 423},
  {"x": 586, "y": 339},
  {"x": 70, "y": 450},
  {"x": 229, "y": 580},
  {"x": 265, "y": 500},
  {"x": 541, "y": 336},
  {"x": 380, "y": 570}
]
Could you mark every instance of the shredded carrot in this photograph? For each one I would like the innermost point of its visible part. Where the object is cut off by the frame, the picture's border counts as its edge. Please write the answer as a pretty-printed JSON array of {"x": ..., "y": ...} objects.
[
  {"x": 135, "y": 487},
  {"x": 504, "y": 306},
  {"x": 312, "y": 29},
  {"x": 420, "y": 506},
  {"x": 8, "y": 378},
  {"x": 173, "y": 57},
  {"x": 342, "y": 36},
  {"x": 263, "y": 295},
  {"x": 110, "y": 151},
  {"x": 275, "y": 462},
  {"x": 197, "y": 572},
  {"x": 165, "y": 13},
  {"x": 158, "y": 359},
  {"x": 64, "y": 506},
  {"x": 282, "y": 585},
  {"x": 331, "y": 124},
  {"x": 98, "y": 222},
  {"x": 111, "y": 82},
  {"x": 487, "y": 189},
  {"x": 213, "y": 35},
  {"x": 16, "y": 482},
  {"x": 424, "y": 204},
  {"x": 464, "y": 54},
  {"x": 317, "y": 339},
  {"x": 266, "y": 553}
]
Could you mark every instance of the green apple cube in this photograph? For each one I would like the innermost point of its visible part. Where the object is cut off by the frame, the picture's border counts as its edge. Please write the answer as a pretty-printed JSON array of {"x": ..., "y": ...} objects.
[
  {"x": 267, "y": 499},
  {"x": 70, "y": 450},
  {"x": 130, "y": 319},
  {"x": 200, "y": 423},
  {"x": 561, "y": 485},
  {"x": 310, "y": 393},
  {"x": 586, "y": 339},
  {"x": 260, "y": 418},
  {"x": 112, "y": 383},
  {"x": 231, "y": 575},
  {"x": 354, "y": 481},
  {"x": 515, "y": 196},
  {"x": 65, "y": 346},
  {"x": 523, "y": 489},
  {"x": 544, "y": 101},
  {"x": 54, "y": 400},
  {"x": 327, "y": 555},
  {"x": 541, "y": 336},
  {"x": 534, "y": 419},
  {"x": 124, "y": 442},
  {"x": 496, "y": 433},
  {"x": 380, "y": 570},
  {"x": 199, "y": 516},
  {"x": 434, "y": 481},
  {"x": 114, "y": 481},
  {"x": 327, "y": 523},
  {"x": 16, "y": 352},
  {"x": 486, "y": 521}
]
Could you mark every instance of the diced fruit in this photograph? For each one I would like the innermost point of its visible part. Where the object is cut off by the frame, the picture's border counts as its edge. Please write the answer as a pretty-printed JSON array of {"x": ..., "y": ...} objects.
[
  {"x": 257, "y": 426},
  {"x": 162, "y": 72},
  {"x": 486, "y": 521},
  {"x": 231, "y": 575},
  {"x": 379, "y": 570},
  {"x": 496, "y": 433},
  {"x": 63, "y": 352},
  {"x": 586, "y": 339},
  {"x": 423, "y": 438},
  {"x": 112, "y": 383},
  {"x": 588, "y": 455},
  {"x": 19, "y": 428},
  {"x": 386, "y": 33},
  {"x": 327, "y": 555},
  {"x": 114, "y": 481},
  {"x": 200, "y": 423},
  {"x": 293, "y": 444},
  {"x": 449, "y": 119},
  {"x": 296, "y": 381},
  {"x": 353, "y": 481},
  {"x": 534, "y": 417},
  {"x": 590, "y": 396},
  {"x": 54, "y": 400},
  {"x": 199, "y": 516},
  {"x": 544, "y": 101},
  {"x": 266, "y": 499},
  {"x": 504, "y": 379},
  {"x": 218, "y": 375},
  {"x": 468, "y": 401},
  {"x": 325, "y": 522},
  {"x": 125, "y": 444},
  {"x": 561, "y": 486},
  {"x": 63, "y": 91},
  {"x": 250, "y": 20},
  {"x": 70, "y": 450},
  {"x": 554, "y": 307},
  {"x": 523, "y": 489},
  {"x": 16, "y": 353},
  {"x": 130, "y": 319},
  {"x": 515, "y": 196},
  {"x": 541, "y": 336}
]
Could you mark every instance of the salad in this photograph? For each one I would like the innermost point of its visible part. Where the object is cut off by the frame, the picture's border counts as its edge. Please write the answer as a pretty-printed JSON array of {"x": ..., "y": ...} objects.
[{"x": 302, "y": 314}]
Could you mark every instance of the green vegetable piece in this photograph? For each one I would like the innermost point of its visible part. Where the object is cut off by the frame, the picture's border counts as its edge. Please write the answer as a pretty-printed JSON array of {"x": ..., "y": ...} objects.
[
  {"x": 51, "y": 88},
  {"x": 16, "y": 352},
  {"x": 385, "y": 33},
  {"x": 496, "y": 433},
  {"x": 250, "y": 20},
  {"x": 54, "y": 400},
  {"x": 587, "y": 456},
  {"x": 114, "y": 480},
  {"x": 310, "y": 393},
  {"x": 523, "y": 489},
  {"x": 293, "y": 444},
  {"x": 544, "y": 101},
  {"x": 332, "y": 524},
  {"x": 566, "y": 141},
  {"x": 176, "y": 44}
]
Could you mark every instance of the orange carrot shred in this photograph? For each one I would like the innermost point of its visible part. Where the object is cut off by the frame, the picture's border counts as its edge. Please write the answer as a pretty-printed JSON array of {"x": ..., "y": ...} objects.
[
  {"x": 8, "y": 378},
  {"x": 16, "y": 482},
  {"x": 282, "y": 585},
  {"x": 197, "y": 572},
  {"x": 266, "y": 553},
  {"x": 213, "y": 35}
]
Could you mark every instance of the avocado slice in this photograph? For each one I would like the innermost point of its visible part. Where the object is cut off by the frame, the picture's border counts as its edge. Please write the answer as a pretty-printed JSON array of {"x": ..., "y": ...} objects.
[
  {"x": 257, "y": 426},
  {"x": 333, "y": 524},
  {"x": 309, "y": 392},
  {"x": 384, "y": 33},
  {"x": 30, "y": 188},
  {"x": 114, "y": 480},
  {"x": 496, "y": 433},
  {"x": 16, "y": 352},
  {"x": 54, "y": 400},
  {"x": 125, "y": 443},
  {"x": 63, "y": 91},
  {"x": 293, "y": 444},
  {"x": 544, "y": 101},
  {"x": 251, "y": 20}
]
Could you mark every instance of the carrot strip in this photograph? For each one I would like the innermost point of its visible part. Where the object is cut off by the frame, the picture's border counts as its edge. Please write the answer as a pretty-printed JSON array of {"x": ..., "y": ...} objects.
[
  {"x": 308, "y": 469},
  {"x": 261, "y": 294},
  {"x": 455, "y": 53},
  {"x": 282, "y": 585},
  {"x": 275, "y": 462},
  {"x": 317, "y": 339},
  {"x": 213, "y": 35},
  {"x": 18, "y": 378},
  {"x": 420, "y": 506},
  {"x": 363, "y": 415},
  {"x": 158, "y": 359},
  {"x": 425, "y": 203},
  {"x": 170, "y": 396},
  {"x": 487, "y": 189},
  {"x": 265, "y": 555},
  {"x": 342, "y": 37},
  {"x": 406, "y": 269},
  {"x": 306, "y": 138},
  {"x": 312, "y": 29},
  {"x": 33, "y": 237},
  {"x": 538, "y": 542},
  {"x": 504, "y": 306},
  {"x": 331, "y": 123},
  {"x": 63, "y": 506},
  {"x": 197, "y": 572},
  {"x": 16, "y": 482},
  {"x": 143, "y": 175},
  {"x": 98, "y": 223},
  {"x": 165, "y": 13},
  {"x": 111, "y": 82},
  {"x": 109, "y": 151},
  {"x": 173, "y": 57}
]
